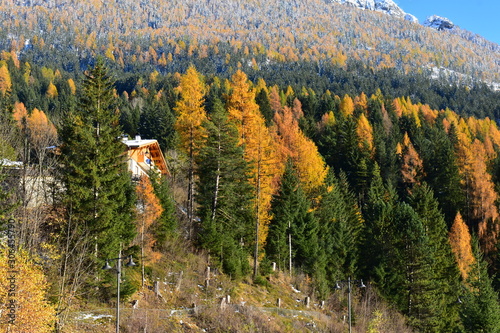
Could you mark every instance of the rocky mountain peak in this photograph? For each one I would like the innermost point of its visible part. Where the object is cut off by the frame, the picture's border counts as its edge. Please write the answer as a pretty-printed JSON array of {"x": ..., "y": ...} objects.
[
  {"x": 438, "y": 23},
  {"x": 389, "y": 7}
]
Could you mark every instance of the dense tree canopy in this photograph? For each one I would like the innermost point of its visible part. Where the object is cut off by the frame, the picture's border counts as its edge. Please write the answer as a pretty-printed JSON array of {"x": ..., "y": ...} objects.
[{"x": 326, "y": 180}]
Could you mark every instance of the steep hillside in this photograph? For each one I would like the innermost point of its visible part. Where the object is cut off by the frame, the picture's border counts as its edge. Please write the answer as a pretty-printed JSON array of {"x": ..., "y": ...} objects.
[
  {"x": 318, "y": 157},
  {"x": 156, "y": 31}
]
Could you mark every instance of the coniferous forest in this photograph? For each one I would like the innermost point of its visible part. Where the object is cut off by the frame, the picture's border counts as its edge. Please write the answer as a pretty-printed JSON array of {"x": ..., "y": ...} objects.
[{"x": 307, "y": 190}]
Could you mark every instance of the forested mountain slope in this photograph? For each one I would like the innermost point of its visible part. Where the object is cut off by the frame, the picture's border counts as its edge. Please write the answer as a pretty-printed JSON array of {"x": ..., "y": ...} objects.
[
  {"x": 156, "y": 31},
  {"x": 308, "y": 146}
]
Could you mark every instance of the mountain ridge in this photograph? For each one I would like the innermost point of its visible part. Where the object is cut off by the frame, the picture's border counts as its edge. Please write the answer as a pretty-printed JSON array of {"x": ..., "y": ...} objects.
[{"x": 309, "y": 30}]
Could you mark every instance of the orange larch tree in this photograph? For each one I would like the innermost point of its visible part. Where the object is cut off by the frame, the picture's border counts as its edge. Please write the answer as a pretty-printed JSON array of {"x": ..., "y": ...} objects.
[
  {"x": 361, "y": 102},
  {"x": 42, "y": 132},
  {"x": 483, "y": 198},
  {"x": 190, "y": 116},
  {"x": 347, "y": 106},
  {"x": 460, "y": 241},
  {"x": 304, "y": 154},
  {"x": 241, "y": 105},
  {"x": 274, "y": 99},
  {"x": 259, "y": 151},
  {"x": 51, "y": 91},
  {"x": 482, "y": 212},
  {"x": 148, "y": 211},
  {"x": 37, "y": 133},
  {"x": 412, "y": 167},
  {"x": 365, "y": 135},
  {"x": 5, "y": 80}
]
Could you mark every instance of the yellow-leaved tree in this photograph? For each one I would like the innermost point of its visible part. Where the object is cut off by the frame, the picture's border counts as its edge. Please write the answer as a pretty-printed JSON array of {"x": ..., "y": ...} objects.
[
  {"x": 347, "y": 106},
  {"x": 190, "y": 115},
  {"x": 294, "y": 144},
  {"x": 364, "y": 132},
  {"x": 5, "y": 80},
  {"x": 482, "y": 212},
  {"x": 412, "y": 166},
  {"x": 148, "y": 211},
  {"x": 460, "y": 241},
  {"x": 37, "y": 133},
  {"x": 24, "y": 307},
  {"x": 259, "y": 151},
  {"x": 51, "y": 91}
]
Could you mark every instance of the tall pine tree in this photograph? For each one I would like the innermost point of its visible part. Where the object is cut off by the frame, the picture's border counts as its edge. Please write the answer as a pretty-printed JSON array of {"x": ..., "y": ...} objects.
[
  {"x": 99, "y": 192},
  {"x": 479, "y": 306},
  {"x": 441, "y": 294},
  {"x": 224, "y": 195},
  {"x": 293, "y": 231},
  {"x": 340, "y": 225}
]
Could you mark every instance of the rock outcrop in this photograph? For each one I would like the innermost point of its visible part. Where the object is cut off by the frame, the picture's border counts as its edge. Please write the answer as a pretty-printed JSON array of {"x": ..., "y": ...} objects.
[
  {"x": 385, "y": 6},
  {"x": 438, "y": 23}
]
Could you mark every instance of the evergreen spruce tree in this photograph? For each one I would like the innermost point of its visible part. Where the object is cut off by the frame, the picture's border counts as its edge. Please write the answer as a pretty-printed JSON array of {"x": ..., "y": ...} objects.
[
  {"x": 340, "y": 230},
  {"x": 129, "y": 118},
  {"x": 398, "y": 257},
  {"x": 224, "y": 195},
  {"x": 406, "y": 253},
  {"x": 479, "y": 307},
  {"x": 283, "y": 212},
  {"x": 264, "y": 106},
  {"x": 157, "y": 122},
  {"x": 442, "y": 172},
  {"x": 412, "y": 269},
  {"x": 292, "y": 222},
  {"x": 340, "y": 145},
  {"x": 378, "y": 212},
  {"x": 99, "y": 192},
  {"x": 166, "y": 225},
  {"x": 443, "y": 286}
]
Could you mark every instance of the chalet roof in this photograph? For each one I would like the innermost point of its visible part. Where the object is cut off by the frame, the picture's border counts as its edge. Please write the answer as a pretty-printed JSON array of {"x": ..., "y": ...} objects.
[{"x": 138, "y": 142}]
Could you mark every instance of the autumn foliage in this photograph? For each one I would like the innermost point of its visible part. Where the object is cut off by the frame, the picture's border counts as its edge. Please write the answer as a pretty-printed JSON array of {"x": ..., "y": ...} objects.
[
  {"x": 148, "y": 211},
  {"x": 301, "y": 150},
  {"x": 259, "y": 148},
  {"x": 411, "y": 164},
  {"x": 460, "y": 241},
  {"x": 477, "y": 182},
  {"x": 190, "y": 111},
  {"x": 23, "y": 283}
]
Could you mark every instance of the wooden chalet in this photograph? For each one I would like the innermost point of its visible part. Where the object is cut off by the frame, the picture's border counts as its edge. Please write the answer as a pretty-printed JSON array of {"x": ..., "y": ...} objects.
[{"x": 143, "y": 156}]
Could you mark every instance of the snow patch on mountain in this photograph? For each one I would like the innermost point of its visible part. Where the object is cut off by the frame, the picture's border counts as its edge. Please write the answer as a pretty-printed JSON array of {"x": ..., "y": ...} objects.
[
  {"x": 411, "y": 18},
  {"x": 438, "y": 23},
  {"x": 362, "y": 4},
  {"x": 389, "y": 7},
  {"x": 384, "y": 6}
]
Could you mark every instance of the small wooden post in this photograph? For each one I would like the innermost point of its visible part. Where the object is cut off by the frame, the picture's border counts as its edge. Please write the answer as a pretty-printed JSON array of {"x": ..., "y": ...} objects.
[
  {"x": 307, "y": 301},
  {"x": 223, "y": 303},
  {"x": 207, "y": 277},
  {"x": 274, "y": 267},
  {"x": 178, "y": 287},
  {"x": 156, "y": 288},
  {"x": 278, "y": 303}
]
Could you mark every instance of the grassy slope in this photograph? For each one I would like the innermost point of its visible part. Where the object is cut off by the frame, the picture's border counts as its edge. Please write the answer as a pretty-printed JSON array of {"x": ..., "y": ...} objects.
[{"x": 188, "y": 305}]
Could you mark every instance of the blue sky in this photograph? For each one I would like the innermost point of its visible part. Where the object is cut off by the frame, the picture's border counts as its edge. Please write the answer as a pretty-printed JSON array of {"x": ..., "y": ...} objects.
[{"x": 479, "y": 16}]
